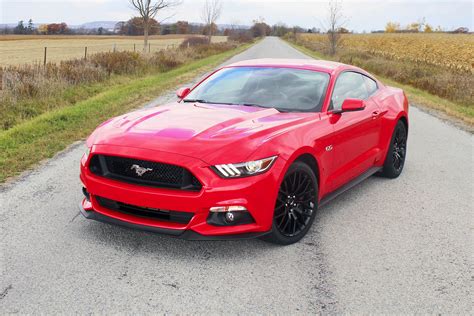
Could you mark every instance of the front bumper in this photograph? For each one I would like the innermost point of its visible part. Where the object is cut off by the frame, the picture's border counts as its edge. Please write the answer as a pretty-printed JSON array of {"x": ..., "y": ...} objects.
[
  {"x": 178, "y": 233},
  {"x": 258, "y": 194}
]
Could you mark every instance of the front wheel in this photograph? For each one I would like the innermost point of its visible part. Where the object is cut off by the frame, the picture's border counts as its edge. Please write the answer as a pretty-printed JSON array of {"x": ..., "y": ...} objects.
[
  {"x": 396, "y": 154},
  {"x": 296, "y": 205}
]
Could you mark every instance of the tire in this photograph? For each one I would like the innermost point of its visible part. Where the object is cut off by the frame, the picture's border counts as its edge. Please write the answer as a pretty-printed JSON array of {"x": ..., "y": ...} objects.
[
  {"x": 396, "y": 154},
  {"x": 296, "y": 205}
]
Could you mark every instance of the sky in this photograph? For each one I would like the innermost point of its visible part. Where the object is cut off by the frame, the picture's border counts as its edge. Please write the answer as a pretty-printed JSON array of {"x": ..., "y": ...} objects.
[{"x": 365, "y": 15}]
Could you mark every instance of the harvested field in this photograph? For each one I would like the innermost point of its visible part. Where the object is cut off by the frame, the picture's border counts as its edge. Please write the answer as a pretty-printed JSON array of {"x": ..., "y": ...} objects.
[{"x": 18, "y": 49}]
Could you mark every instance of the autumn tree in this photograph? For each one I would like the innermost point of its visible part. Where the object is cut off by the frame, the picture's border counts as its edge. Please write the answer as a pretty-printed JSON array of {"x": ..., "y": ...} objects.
[
  {"x": 148, "y": 9},
  {"x": 182, "y": 27},
  {"x": 210, "y": 13},
  {"x": 209, "y": 29},
  {"x": 260, "y": 28},
  {"x": 119, "y": 27},
  {"x": 417, "y": 26},
  {"x": 53, "y": 28},
  {"x": 57, "y": 28},
  {"x": 392, "y": 27},
  {"x": 414, "y": 27},
  {"x": 43, "y": 29},
  {"x": 280, "y": 29},
  {"x": 428, "y": 28},
  {"x": 135, "y": 26},
  {"x": 343, "y": 30}
]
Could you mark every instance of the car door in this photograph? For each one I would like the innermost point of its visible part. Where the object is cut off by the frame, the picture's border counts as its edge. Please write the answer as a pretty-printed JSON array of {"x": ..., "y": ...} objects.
[{"x": 356, "y": 134}]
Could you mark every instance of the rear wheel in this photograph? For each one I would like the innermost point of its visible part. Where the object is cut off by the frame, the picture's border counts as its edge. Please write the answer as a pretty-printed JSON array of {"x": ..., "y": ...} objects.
[
  {"x": 395, "y": 160},
  {"x": 296, "y": 205}
]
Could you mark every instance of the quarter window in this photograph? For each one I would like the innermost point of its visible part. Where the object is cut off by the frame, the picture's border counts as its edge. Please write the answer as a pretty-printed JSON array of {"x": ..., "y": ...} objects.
[
  {"x": 349, "y": 85},
  {"x": 371, "y": 85}
]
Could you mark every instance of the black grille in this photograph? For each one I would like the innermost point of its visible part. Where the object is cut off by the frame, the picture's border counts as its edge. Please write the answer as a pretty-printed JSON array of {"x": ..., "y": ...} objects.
[
  {"x": 158, "y": 214},
  {"x": 153, "y": 173}
]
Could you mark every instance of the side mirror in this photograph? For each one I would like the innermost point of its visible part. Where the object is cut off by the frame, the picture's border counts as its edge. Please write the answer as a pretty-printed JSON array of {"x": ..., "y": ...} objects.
[
  {"x": 183, "y": 92},
  {"x": 352, "y": 105}
]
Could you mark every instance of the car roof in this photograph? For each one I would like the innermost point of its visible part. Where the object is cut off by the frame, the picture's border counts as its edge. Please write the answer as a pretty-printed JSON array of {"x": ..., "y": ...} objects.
[{"x": 312, "y": 64}]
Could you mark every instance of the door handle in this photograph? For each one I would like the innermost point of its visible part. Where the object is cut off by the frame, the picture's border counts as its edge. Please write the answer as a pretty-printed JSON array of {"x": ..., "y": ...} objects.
[{"x": 375, "y": 114}]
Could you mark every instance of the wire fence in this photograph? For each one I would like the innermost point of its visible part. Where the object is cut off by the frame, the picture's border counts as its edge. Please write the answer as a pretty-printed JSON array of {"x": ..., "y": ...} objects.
[{"x": 45, "y": 54}]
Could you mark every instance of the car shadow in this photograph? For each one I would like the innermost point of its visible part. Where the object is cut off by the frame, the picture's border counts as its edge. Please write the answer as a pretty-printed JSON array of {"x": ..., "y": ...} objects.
[{"x": 127, "y": 240}]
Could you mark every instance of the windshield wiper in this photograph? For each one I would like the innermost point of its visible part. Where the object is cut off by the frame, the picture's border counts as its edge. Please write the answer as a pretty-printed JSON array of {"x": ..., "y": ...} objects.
[
  {"x": 252, "y": 104},
  {"x": 194, "y": 101},
  {"x": 204, "y": 101}
]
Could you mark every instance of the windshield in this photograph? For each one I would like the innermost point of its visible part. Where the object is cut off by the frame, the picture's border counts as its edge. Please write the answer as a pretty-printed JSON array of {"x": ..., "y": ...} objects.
[{"x": 285, "y": 89}]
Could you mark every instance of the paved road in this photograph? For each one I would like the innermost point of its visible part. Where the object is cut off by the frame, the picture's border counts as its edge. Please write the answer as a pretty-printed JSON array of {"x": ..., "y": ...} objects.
[{"x": 402, "y": 245}]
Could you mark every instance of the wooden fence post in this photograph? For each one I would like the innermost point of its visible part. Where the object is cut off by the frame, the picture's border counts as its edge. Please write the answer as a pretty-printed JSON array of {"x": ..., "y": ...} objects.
[
  {"x": 149, "y": 47},
  {"x": 134, "y": 48},
  {"x": 44, "y": 60},
  {"x": 85, "y": 53}
]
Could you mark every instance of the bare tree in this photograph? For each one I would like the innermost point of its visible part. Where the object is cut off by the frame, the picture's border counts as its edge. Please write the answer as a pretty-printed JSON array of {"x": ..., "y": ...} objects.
[
  {"x": 148, "y": 10},
  {"x": 210, "y": 13},
  {"x": 335, "y": 22}
]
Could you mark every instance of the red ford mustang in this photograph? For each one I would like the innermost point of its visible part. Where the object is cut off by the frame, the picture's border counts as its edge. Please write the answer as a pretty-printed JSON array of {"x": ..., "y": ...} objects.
[{"x": 251, "y": 151}]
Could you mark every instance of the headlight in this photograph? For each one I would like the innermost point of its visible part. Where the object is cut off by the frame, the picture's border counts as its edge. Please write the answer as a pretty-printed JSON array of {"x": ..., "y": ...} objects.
[{"x": 244, "y": 169}]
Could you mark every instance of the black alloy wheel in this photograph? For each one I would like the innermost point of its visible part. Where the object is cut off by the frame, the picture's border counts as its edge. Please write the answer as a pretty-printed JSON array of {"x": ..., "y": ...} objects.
[
  {"x": 395, "y": 160},
  {"x": 296, "y": 205},
  {"x": 399, "y": 149}
]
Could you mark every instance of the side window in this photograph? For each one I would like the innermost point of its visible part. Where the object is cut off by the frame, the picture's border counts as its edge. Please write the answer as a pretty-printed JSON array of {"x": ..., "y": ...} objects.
[
  {"x": 371, "y": 85},
  {"x": 349, "y": 85}
]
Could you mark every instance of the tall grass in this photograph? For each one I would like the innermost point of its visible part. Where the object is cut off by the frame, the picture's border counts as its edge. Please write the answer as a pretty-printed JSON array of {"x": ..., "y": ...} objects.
[{"x": 30, "y": 90}]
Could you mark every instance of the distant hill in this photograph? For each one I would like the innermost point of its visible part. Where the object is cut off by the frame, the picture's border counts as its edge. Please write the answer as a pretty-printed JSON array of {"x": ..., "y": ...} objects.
[
  {"x": 229, "y": 26},
  {"x": 96, "y": 25}
]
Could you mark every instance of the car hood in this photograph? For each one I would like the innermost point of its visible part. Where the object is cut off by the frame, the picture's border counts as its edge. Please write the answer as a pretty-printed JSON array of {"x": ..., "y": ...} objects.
[{"x": 204, "y": 131}]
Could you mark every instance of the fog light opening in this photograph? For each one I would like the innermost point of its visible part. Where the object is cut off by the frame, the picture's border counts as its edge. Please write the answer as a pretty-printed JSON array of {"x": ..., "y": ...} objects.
[{"x": 229, "y": 215}]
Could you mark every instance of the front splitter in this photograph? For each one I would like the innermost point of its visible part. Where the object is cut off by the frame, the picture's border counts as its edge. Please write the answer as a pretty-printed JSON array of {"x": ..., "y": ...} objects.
[{"x": 177, "y": 233}]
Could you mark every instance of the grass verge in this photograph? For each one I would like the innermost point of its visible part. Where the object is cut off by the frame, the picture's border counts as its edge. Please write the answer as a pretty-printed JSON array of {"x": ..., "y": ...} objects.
[
  {"x": 30, "y": 142},
  {"x": 416, "y": 96}
]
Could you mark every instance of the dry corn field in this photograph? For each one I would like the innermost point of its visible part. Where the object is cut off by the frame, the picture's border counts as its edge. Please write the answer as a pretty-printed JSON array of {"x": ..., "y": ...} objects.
[
  {"x": 452, "y": 51},
  {"x": 16, "y": 50}
]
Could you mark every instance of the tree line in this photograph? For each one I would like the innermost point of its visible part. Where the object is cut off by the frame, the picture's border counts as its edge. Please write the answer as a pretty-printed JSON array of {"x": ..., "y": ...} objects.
[
  {"x": 135, "y": 27},
  {"x": 28, "y": 28},
  {"x": 418, "y": 27}
]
